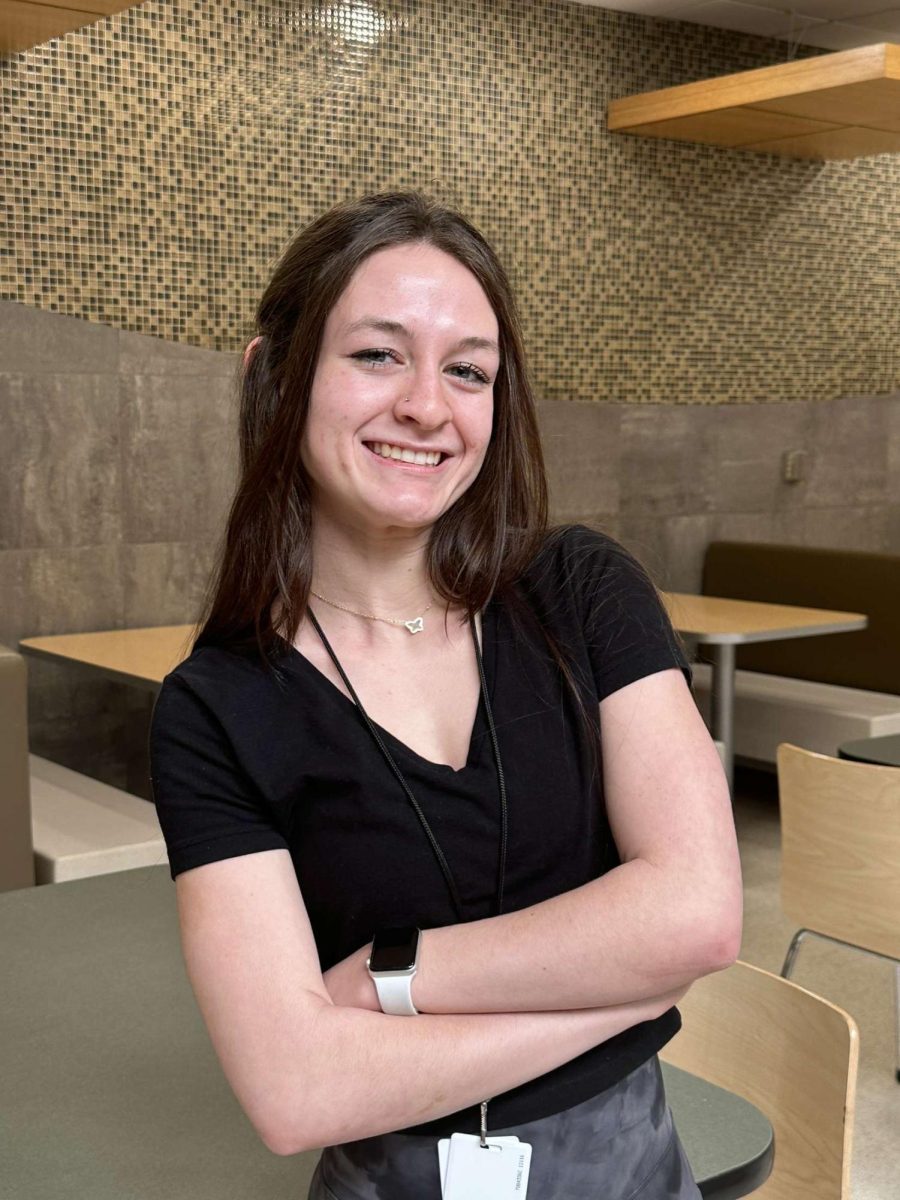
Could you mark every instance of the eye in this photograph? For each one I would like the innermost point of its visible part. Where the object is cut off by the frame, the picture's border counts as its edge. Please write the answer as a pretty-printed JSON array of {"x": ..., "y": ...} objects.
[
  {"x": 374, "y": 357},
  {"x": 469, "y": 373}
]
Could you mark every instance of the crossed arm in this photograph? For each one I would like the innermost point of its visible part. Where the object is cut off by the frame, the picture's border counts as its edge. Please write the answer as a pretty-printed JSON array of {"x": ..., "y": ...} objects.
[{"x": 504, "y": 1000}]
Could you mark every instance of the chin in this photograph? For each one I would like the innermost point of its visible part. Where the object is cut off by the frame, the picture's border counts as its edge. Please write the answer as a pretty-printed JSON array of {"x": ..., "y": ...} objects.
[
  {"x": 406, "y": 521},
  {"x": 413, "y": 515}
]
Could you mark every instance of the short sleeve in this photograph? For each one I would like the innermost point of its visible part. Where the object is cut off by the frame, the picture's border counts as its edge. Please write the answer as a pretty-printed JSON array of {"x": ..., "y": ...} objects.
[
  {"x": 627, "y": 630},
  {"x": 208, "y": 808}
]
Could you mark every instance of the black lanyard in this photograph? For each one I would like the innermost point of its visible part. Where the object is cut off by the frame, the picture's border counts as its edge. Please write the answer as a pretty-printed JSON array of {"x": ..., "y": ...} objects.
[{"x": 389, "y": 759}]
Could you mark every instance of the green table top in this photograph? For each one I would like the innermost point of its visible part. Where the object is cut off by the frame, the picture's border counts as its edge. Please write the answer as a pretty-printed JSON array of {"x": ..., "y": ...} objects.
[
  {"x": 882, "y": 751},
  {"x": 110, "y": 1088}
]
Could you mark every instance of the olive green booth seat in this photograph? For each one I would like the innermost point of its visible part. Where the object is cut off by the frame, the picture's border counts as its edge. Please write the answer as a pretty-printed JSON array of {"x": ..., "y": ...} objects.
[{"x": 814, "y": 692}]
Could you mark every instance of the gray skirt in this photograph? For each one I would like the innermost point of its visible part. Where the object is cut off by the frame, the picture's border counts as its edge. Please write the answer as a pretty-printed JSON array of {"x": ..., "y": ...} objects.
[{"x": 620, "y": 1145}]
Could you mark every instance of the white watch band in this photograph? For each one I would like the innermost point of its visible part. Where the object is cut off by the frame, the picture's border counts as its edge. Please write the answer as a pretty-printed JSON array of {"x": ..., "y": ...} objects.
[{"x": 395, "y": 993}]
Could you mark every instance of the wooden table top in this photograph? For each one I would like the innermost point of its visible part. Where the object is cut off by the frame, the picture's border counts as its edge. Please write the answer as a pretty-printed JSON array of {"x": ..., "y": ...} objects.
[
  {"x": 716, "y": 619},
  {"x": 145, "y": 656},
  {"x": 135, "y": 656}
]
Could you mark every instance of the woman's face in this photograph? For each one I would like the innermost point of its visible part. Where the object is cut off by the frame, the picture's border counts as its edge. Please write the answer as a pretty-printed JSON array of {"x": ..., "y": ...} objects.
[{"x": 402, "y": 406}]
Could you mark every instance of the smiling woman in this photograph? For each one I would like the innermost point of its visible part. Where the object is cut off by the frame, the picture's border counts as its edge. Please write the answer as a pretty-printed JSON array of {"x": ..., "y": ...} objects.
[{"x": 511, "y": 825}]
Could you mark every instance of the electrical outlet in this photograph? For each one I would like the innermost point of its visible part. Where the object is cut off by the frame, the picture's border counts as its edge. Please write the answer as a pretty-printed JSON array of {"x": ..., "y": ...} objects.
[{"x": 793, "y": 466}]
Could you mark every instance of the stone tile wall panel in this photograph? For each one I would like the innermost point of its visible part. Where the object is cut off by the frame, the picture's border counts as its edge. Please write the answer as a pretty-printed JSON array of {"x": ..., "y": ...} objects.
[
  {"x": 60, "y": 484},
  {"x": 666, "y": 464},
  {"x": 581, "y": 451},
  {"x": 179, "y": 456},
  {"x": 165, "y": 582}
]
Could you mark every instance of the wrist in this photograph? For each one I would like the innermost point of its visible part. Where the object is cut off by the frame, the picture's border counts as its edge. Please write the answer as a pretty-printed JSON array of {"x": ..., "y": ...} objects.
[{"x": 436, "y": 946}]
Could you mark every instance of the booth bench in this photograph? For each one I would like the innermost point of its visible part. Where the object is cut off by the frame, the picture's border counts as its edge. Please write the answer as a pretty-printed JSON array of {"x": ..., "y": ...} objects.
[
  {"x": 57, "y": 824},
  {"x": 815, "y": 692}
]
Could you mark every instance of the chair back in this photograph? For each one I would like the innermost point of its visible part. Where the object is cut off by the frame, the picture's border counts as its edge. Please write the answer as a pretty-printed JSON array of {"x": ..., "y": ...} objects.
[
  {"x": 840, "y": 848},
  {"x": 793, "y": 1055}
]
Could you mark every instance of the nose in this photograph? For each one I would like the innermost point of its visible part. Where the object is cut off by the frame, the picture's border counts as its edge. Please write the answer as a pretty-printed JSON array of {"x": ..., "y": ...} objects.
[{"x": 423, "y": 401}]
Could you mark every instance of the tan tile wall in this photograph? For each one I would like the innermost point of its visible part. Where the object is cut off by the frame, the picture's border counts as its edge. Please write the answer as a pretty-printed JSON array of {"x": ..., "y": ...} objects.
[{"x": 155, "y": 163}]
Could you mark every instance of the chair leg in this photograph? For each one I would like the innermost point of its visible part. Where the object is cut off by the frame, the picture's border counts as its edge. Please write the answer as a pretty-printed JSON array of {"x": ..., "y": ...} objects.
[{"x": 792, "y": 953}]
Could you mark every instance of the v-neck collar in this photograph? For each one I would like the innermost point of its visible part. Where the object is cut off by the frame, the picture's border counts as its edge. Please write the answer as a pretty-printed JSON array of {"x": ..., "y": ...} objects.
[{"x": 479, "y": 723}]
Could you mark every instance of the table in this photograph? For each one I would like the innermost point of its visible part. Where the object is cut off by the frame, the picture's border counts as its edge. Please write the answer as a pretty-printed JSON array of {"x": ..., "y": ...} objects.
[
  {"x": 139, "y": 657},
  {"x": 725, "y": 624},
  {"x": 882, "y": 751},
  {"x": 109, "y": 1086},
  {"x": 143, "y": 657}
]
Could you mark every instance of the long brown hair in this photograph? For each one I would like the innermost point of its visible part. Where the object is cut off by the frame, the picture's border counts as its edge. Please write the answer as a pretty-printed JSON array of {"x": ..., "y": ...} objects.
[{"x": 475, "y": 549}]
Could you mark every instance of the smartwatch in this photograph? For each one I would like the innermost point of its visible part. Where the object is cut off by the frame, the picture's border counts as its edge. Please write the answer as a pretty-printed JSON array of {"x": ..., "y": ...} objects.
[{"x": 392, "y": 965}]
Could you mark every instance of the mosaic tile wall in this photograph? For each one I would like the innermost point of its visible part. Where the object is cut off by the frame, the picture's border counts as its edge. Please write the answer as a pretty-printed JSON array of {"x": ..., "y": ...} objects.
[{"x": 157, "y": 161}]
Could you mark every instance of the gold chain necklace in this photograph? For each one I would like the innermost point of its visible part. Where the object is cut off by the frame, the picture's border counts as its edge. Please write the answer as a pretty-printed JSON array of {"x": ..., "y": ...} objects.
[{"x": 415, "y": 625}]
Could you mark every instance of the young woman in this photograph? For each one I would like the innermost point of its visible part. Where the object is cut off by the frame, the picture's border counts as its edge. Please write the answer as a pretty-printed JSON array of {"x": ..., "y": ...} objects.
[{"x": 446, "y": 825}]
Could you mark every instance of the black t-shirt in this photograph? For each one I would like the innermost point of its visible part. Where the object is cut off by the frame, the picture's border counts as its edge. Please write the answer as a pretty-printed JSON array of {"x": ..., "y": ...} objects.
[{"x": 244, "y": 758}]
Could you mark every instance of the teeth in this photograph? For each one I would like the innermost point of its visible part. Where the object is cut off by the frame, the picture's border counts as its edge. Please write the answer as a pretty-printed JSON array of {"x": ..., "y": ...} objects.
[{"x": 421, "y": 458}]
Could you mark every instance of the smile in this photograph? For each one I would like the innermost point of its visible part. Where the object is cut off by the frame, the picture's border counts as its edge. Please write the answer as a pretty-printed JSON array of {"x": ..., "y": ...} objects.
[{"x": 418, "y": 458}]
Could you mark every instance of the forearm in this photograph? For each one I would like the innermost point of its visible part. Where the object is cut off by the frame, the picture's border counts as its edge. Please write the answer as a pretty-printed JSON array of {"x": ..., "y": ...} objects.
[
  {"x": 364, "y": 1073},
  {"x": 636, "y": 932}
]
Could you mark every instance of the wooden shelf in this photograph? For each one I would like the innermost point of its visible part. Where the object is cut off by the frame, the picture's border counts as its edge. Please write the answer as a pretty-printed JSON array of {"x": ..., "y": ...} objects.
[
  {"x": 832, "y": 106},
  {"x": 24, "y": 23}
]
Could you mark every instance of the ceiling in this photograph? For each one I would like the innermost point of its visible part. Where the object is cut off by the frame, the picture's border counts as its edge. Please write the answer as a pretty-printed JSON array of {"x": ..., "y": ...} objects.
[{"x": 828, "y": 24}]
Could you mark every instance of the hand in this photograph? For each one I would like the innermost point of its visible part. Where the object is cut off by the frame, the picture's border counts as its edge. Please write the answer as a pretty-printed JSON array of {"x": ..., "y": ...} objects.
[{"x": 349, "y": 983}]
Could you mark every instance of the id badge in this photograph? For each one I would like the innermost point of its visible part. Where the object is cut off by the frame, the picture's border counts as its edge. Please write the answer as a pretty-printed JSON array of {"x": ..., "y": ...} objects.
[{"x": 469, "y": 1171}]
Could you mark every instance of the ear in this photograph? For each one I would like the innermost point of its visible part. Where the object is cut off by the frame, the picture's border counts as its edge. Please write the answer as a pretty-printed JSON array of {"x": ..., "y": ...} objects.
[{"x": 250, "y": 349}]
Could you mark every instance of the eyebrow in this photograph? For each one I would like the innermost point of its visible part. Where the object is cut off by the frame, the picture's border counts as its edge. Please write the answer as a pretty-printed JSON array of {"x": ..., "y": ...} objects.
[{"x": 384, "y": 325}]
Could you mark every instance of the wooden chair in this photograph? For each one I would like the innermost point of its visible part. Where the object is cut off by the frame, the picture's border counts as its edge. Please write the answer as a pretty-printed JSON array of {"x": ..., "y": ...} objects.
[
  {"x": 793, "y": 1055},
  {"x": 840, "y": 855}
]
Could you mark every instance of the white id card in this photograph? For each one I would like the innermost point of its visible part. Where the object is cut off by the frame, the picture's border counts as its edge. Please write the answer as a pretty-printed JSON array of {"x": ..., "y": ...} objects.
[{"x": 471, "y": 1172}]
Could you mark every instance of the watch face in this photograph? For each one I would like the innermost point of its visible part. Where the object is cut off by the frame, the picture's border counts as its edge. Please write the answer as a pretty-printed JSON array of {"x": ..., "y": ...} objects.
[{"x": 394, "y": 949}]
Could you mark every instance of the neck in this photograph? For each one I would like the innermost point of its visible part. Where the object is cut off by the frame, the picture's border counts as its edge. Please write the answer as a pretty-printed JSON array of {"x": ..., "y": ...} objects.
[{"x": 385, "y": 574}]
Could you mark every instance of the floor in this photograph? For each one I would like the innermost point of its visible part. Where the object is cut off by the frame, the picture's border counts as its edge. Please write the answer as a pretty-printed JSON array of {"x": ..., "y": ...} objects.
[{"x": 858, "y": 983}]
